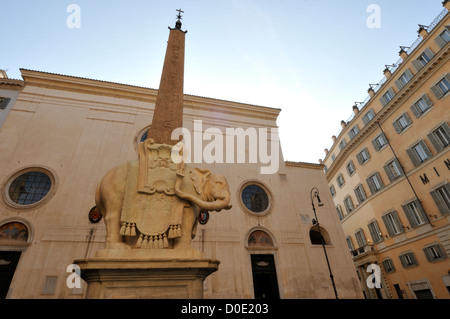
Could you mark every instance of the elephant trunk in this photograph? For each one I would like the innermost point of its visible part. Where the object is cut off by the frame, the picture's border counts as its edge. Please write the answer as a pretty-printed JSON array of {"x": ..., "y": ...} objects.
[{"x": 217, "y": 205}]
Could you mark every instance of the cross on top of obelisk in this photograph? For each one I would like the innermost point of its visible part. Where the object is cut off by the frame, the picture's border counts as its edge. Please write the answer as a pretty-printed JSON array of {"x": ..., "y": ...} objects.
[
  {"x": 179, "y": 14},
  {"x": 179, "y": 17}
]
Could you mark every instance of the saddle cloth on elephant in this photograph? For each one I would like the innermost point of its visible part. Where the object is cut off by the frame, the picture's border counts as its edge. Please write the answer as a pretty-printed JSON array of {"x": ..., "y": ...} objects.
[{"x": 150, "y": 207}]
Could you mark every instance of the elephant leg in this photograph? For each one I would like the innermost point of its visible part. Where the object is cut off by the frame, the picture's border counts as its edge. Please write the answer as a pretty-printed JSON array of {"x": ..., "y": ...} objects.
[
  {"x": 187, "y": 224},
  {"x": 112, "y": 191},
  {"x": 112, "y": 221}
]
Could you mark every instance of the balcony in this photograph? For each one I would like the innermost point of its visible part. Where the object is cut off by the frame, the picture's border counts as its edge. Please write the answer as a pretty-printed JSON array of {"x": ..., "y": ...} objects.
[{"x": 362, "y": 251}]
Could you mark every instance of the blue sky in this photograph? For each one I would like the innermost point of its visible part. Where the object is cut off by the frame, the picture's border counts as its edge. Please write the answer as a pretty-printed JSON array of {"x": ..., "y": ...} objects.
[{"x": 312, "y": 59}]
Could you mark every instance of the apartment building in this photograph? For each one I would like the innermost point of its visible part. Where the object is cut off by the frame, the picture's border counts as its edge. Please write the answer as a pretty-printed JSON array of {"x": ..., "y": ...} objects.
[{"x": 388, "y": 171}]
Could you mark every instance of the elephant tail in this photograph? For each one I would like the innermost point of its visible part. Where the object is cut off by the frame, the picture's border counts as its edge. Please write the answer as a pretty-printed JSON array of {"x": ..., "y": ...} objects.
[{"x": 98, "y": 199}]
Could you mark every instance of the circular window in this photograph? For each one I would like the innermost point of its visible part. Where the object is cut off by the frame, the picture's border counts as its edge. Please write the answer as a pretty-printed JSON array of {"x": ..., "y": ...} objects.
[
  {"x": 255, "y": 198},
  {"x": 143, "y": 135},
  {"x": 29, "y": 187}
]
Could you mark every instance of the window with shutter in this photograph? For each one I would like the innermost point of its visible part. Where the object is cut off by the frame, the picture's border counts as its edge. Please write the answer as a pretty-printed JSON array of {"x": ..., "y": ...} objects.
[
  {"x": 360, "y": 238},
  {"x": 368, "y": 116},
  {"x": 441, "y": 197},
  {"x": 392, "y": 223},
  {"x": 415, "y": 213},
  {"x": 402, "y": 122},
  {"x": 363, "y": 156},
  {"x": 421, "y": 106},
  {"x": 404, "y": 79},
  {"x": 379, "y": 142},
  {"x": 342, "y": 144},
  {"x": 332, "y": 190},
  {"x": 388, "y": 265},
  {"x": 339, "y": 212},
  {"x": 349, "y": 243},
  {"x": 387, "y": 97},
  {"x": 443, "y": 38},
  {"x": 375, "y": 183},
  {"x": 375, "y": 232},
  {"x": 434, "y": 253},
  {"x": 393, "y": 170},
  {"x": 340, "y": 180},
  {"x": 360, "y": 194},
  {"x": 350, "y": 168},
  {"x": 442, "y": 87},
  {"x": 419, "y": 153},
  {"x": 423, "y": 59},
  {"x": 440, "y": 137},
  {"x": 352, "y": 133},
  {"x": 408, "y": 260},
  {"x": 348, "y": 203}
]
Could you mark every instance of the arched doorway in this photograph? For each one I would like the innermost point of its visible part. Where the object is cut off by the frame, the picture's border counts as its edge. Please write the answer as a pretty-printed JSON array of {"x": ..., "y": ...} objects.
[
  {"x": 265, "y": 282},
  {"x": 14, "y": 237}
]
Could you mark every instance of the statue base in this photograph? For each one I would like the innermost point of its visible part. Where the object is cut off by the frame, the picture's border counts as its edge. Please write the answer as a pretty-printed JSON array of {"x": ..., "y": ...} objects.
[{"x": 131, "y": 276}]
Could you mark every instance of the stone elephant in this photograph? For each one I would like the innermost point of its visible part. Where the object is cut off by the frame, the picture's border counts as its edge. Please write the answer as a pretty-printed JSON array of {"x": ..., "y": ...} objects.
[{"x": 189, "y": 191}]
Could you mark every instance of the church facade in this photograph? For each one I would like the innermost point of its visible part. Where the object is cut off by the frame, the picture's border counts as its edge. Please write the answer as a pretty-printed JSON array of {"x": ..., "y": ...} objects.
[{"x": 64, "y": 133}]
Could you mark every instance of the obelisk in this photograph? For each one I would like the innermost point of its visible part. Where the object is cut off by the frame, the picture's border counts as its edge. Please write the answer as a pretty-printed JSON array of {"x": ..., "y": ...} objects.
[
  {"x": 168, "y": 114},
  {"x": 145, "y": 271}
]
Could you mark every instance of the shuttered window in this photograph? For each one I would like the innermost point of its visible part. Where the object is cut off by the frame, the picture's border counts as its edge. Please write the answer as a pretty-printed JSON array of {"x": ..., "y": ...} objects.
[
  {"x": 442, "y": 87},
  {"x": 408, "y": 260},
  {"x": 342, "y": 144},
  {"x": 363, "y": 156},
  {"x": 393, "y": 170},
  {"x": 415, "y": 213},
  {"x": 332, "y": 190},
  {"x": 375, "y": 232},
  {"x": 423, "y": 59},
  {"x": 387, "y": 97},
  {"x": 392, "y": 223},
  {"x": 379, "y": 142},
  {"x": 421, "y": 106},
  {"x": 375, "y": 183},
  {"x": 339, "y": 212},
  {"x": 368, "y": 116},
  {"x": 404, "y": 79},
  {"x": 441, "y": 197},
  {"x": 388, "y": 265},
  {"x": 360, "y": 238},
  {"x": 350, "y": 168},
  {"x": 340, "y": 180},
  {"x": 434, "y": 252},
  {"x": 443, "y": 38},
  {"x": 350, "y": 243},
  {"x": 352, "y": 133},
  {"x": 402, "y": 122},
  {"x": 348, "y": 203},
  {"x": 440, "y": 137},
  {"x": 419, "y": 153},
  {"x": 360, "y": 193}
]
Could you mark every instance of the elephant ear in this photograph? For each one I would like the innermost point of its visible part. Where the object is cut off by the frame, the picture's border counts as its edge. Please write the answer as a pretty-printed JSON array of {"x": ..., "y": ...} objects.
[{"x": 199, "y": 178}]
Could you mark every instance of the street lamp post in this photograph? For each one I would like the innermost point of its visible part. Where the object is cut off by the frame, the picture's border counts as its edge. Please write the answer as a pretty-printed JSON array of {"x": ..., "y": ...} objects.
[{"x": 315, "y": 221}]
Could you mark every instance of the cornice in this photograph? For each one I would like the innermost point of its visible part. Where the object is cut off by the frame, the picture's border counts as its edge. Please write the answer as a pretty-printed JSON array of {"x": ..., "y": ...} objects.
[
  {"x": 11, "y": 84},
  {"x": 441, "y": 57},
  {"x": 304, "y": 165},
  {"x": 143, "y": 94}
]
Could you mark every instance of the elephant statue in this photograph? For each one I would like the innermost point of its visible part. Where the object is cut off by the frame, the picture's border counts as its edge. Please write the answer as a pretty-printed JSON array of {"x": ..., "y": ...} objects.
[{"x": 154, "y": 203}]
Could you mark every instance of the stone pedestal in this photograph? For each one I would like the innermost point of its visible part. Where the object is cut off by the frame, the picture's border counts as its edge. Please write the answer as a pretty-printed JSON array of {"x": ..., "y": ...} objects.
[{"x": 130, "y": 275}]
